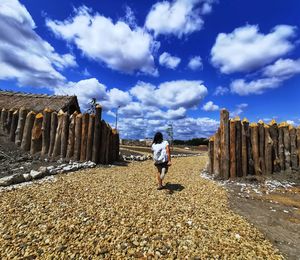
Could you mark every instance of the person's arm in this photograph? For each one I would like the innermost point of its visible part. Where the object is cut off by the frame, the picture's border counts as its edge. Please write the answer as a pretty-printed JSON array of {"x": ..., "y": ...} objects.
[{"x": 169, "y": 155}]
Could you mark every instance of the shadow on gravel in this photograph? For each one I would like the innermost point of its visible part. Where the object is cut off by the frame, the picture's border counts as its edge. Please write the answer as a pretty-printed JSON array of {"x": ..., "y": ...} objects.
[{"x": 171, "y": 187}]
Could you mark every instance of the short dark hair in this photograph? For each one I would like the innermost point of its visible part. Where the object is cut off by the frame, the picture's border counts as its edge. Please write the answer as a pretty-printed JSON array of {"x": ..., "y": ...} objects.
[{"x": 158, "y": 138}]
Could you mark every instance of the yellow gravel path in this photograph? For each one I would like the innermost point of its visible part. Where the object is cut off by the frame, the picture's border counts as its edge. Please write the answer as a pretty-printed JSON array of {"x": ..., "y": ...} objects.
[{"x": 117, "y": 213}]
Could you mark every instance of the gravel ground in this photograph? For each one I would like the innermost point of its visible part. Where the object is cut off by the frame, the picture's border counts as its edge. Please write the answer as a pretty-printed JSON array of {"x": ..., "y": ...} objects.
[{"x": 117, "y": 213}]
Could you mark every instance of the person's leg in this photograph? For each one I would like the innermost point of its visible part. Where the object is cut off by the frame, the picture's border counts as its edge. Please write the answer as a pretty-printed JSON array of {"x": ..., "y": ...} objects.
[{"x": 158, "y": 173}]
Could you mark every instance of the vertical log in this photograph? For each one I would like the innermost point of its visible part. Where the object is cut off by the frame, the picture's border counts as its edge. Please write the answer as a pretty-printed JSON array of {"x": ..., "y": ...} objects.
[
  {"x": 107, "y": 148},
  {"x": 251, "y": 170},
  {"x": 275, "y": 150},
  {"x": 255, "y": 148},
  {"x": 245, "y": 135},
  {"x": 4, "y": 113},
  {"x": 210, "y": 166},
  {"x": 111, "y": 146},
  {"x": 97, "y": 135},
  {"x": 89, "y": 146},
  {"x": 26, "y": 139},
  {"x": 238, "y": 140},
  {"x": 84, "y": 133},
  {"x": 9, "y": 120},
  {"x": 294, "y": 155},
  {"x": 78, "y": 133},
  {"x": 14, "y": 125},
  {"x": 268, "y": 151},
  {"x": 216, "y": 153},
  {"x": 21, "y": 123},
  {"x": 36, "y": 136},
  {"x": 118, "y": 147},
  {"x": 46, "y": 127},
  {"x": 57, "y": 143},
  {"x": 71, "y": 139},
  {"x": 287, "y": 145},
  {"x": 54, "y": 122},
  {"x": 232, "y": 148},
  {"x": 64, "y": 135},
  {"x": 281, "y": 148},
  {"x": 298, "y": 145},
  {"x": 224, "y": 125},
  {"x": 102, "y": 142},
  {"x": 261, "y": 142}
]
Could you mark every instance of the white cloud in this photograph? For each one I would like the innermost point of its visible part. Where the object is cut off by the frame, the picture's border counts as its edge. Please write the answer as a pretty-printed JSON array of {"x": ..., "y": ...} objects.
[
  {"x": 115, "y": 44},
  {"x": 239, "y": 109},
  {"x": 169, "y": 61},
  {"x": 179, "y": 17},
  {"x": 259, "y": 86},
  {"x": 291, "y": 122},
  {"x": 24, "y": 55},
  {"x": 210, "y": 106},
  {"x": 221, "y": 91},
  {"x": 246, "y": 49},
  {"x": 282, "y": 68},
  {"x": 195, "y": 63},
  {"x": 170, "y": 94},
  {"x": 170, "y": 114}
]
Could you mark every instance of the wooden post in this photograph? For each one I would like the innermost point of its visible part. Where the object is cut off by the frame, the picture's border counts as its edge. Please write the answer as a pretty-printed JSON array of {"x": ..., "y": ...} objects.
[
  {"x": 232, "y": 148},
  {"x": 97, "y": 135},
  {"x": 71, "y": 139},
  {"x": 4, "y": 113},
  {"x": 57, "y": 143},
  {"x": 255, "y": 148},
  {"x": 210, "y": 166},
  {"x": 78, "y": 133},
  {"x": 46, "y": 126},
  {"x": 261, "y": 142},
  {"x": 281, "y": 148},
  {"x": 287, "y": 145},
  {"x": 118, "y": 146},
  {"x": 14, "y": 125},
  {"x": 26, "y": 139},
  {"x": 102, "y": 142},
  {"x": 224, "y": 125},
  {"x": 36, "y": 136},
  {"x": 251, "y": 170},
  {"x": 245, "y": 138},
  {"x": 268, "y": 151},
  {"x": 294, "y": 155},
  {"x": 9, "y": 120},
  {"x": 216, "y": 153},
  {"x": 21, "y": 123},
  {"x": 89, "y": 147},
  {"x": 275, "y": 150},
  {"x": 238, "y": 140},
  {"x": 298, "y": 145},
  {"x": 64, "y": 135},
  {"x": 53, "y": 128},
  {"x": 107, "y": 147},
  {"x": 84, "y": 135}
]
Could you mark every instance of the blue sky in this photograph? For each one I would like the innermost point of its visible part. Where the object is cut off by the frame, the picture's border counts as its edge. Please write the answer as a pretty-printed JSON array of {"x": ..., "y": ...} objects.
[{"x": 160, "y": 62}]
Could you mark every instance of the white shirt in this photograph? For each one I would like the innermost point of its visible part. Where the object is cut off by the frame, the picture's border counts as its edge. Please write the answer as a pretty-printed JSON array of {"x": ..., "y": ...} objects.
[{"x": 160, "y": 152}]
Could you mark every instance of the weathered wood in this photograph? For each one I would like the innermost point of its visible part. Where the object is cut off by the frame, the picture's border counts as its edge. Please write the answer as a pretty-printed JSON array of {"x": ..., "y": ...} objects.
[
  {"x": 107, "y": 148},
  {"x": 71, "y": 138},
  {"x": 255, "y": 148},
  {"x": 26, "y": 139},
  {"x": 84, "y": 135},
  {"x": 114, "y": 145},
  {"x": 21, "y": 123},
  {"x": 4, "y": 113},
  {"x": 14, "y": 125},
  {"x": 118, "y": 146},
  {"x": 294, "y": 153},
  {"x": 287, "y": 145},
  {"x": 245, "y": 137},
  {"x": 111, "y": 147},
  {"x": 89, "y": 146},
  {"x": 64, "y": 135},
  {"x": 298, "y": 145},
  {"x": 97, "y": 135},
  {"x": 224, "y": 125},
  {"x": 78, "y": 133},
  {"x": 275, "y": 150},
  {"x": 9, "y": 120},
  {"x": 54, "y": 122},
  {"x": 238, "y": 147},
  {"x": 261, "y": 143},
  {"x": 251, "y": 170},
  {"x": 217, "y": 153},
  {"x": 281, "y": 148},
  {"x": 268, "y": 151},
  {"x": 46, "y": 126},
  {"x": 36, "y": 136},
  {"x": 232, "y": 148},
  {"x": 102, "y": 142},
  {"x": 57, "y": 143},
  {"x": 210, "y": 166}
]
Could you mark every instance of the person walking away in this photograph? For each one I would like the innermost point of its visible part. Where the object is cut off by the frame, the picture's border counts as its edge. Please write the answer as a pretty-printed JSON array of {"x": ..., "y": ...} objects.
[{"x": 161, "y": 157}]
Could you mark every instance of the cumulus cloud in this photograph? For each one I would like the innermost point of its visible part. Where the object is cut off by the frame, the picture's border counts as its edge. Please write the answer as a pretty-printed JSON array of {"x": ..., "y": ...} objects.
[
  {"x": 285, "y": 68},
  {"x": 24, "y": 55},
  {"x": 169, "y": 61},
  {"x": 221, "y": 91},
  {"x": 195, "y": 63},
  {"x": 170, "y": 114},
  {"x": 210, "y": 106},
  {"x": 179, "y": 17},
  {"x": 170, "y": 94},
  {"x": 246, "y": 49},
  {"x": 117, "y": 45},
  {"x": 239, "y": 109}
]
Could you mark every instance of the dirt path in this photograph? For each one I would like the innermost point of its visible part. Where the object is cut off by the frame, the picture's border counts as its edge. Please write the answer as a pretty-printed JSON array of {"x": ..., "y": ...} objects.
[{"x": 117, "y": 213}]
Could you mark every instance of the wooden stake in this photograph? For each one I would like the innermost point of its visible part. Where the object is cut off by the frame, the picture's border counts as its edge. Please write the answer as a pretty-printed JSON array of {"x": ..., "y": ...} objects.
[
  {"x": 232, "y": 148},
  {"x": 224, "y": 125},
  {"x": 46, "y": 126},
  {"x": 287, "y": 145},
  {"x": 78, "y": 133},
  {"x": 210, "y": 167},
  {"x": 238, "y": 140},
  {"x": 261, "y": 142},
  {"x": 9, "y": 120},
  {"x": 217, "y": 153},
  {"x": 14, "y": 125},
  {"x": 54, "y": 123},
  {"x": 245, "y": 141},
  {"x": 275, "y": 151},
  {"x": 117, "y": 147},
  {"x": 102, "y": 142},
  {"x": 294, "y": 152},
  {"x": 255, "y": 148},
  {"x": 281, "y": 148},
  {"x": 36, "y": 136},
  {"x": 71, "y": 139},
  {"x": 84, "y": 133},
  {"x": 4, "y": 113},
  {"x": 64, "y": 135},
  {"x": 57, "y": 143},
  {"x": 107, "y": 147},
  {"x": 268, "y": 151},
  {"x": 89, "y": 147},
  {"x": 26, "y": 140},
  {"x": 97, "y": 135},
  {"x": 21, "y": 123}
]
